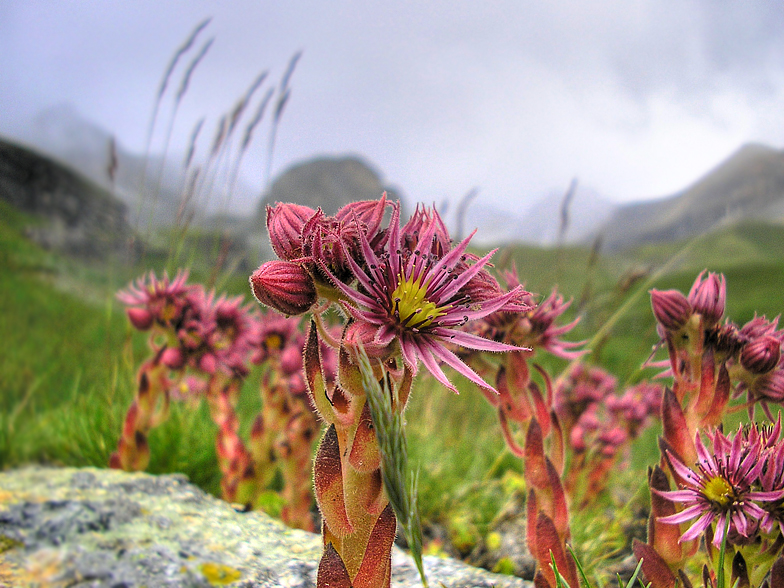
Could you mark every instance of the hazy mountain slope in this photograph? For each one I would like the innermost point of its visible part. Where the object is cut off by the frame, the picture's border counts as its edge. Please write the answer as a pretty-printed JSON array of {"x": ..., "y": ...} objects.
[
  {"x": 79, "y": 216},
  {"x": 152, "y": 186},
  {"x": 748, "y": 185}
]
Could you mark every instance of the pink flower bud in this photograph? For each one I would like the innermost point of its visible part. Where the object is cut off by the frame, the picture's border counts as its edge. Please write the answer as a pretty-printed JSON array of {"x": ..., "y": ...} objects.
[
  {"x": 671, "y": 308},
  {"x": 709, "y": 297},
  {"x": 422, "y": 221},
  {"x": 284, "y": 224},
  {"x": 140, "y": 318},
  {"x": 761, "y": 355},
  {"x": 285, "y": 286},
  {"x": 291, "y": 360},
  {"x": 173, "y": 358},
  {"x": 369, "y": 212},
  {"x": 208, "y": 363}
]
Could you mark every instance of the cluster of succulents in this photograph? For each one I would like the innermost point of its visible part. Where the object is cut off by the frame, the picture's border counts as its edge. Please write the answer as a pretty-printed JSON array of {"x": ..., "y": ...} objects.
[
  {"x": 203, "y": 348},
  {"x": 725, "y": 496},
  {"x": 408, "y": 296}
]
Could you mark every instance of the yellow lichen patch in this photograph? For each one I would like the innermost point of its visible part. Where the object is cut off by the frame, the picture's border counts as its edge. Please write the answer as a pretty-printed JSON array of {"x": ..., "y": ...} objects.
[
  {"x": 218, "y": 574},
  {"x": 7, "y": 543}
]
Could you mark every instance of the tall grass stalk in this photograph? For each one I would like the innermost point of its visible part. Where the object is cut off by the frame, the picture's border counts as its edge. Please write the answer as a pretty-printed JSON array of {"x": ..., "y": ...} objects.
[
  {"x": 284, "y": 92},
  {"x": 178, "y": 54}
]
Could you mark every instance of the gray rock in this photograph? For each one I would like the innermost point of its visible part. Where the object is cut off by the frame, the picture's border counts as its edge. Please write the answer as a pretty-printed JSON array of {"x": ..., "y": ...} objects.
[{"x": 111, "y": 529}]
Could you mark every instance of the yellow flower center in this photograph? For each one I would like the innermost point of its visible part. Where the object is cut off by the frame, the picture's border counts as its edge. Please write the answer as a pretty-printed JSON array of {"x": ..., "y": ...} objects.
[
  {"x": 273, "y": 341},
  {"x": 413, "y": 308},
  {"x": 718, "y": 490}
]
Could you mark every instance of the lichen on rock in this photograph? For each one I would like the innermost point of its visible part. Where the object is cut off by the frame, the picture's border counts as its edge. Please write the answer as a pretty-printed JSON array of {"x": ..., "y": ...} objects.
[{"x": 107, "y": 528}]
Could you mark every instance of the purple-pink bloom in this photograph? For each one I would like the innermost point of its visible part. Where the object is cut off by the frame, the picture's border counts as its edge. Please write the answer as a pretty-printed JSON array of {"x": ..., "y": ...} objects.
[
  {"x": 156, "y": 301},
  {"x": 721, "y": 487},
  {"x": 418, "y": 300}
]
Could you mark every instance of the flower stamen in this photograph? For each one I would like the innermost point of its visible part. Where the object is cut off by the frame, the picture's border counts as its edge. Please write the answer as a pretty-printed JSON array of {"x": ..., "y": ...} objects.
[{"x": 412, "y": 309}]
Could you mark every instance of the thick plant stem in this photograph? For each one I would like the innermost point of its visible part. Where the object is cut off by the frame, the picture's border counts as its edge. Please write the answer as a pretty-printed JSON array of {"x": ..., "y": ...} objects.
[
  {"x": 149, "y": 409},
  {"x": 281, "y": 440},
  {"x": 359, "y": 525},
  {"x": 238, "y": 482}
]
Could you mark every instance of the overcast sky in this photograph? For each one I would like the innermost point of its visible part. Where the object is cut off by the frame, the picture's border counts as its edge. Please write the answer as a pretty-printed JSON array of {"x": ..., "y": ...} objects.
[{"x": 635, "y": 98}]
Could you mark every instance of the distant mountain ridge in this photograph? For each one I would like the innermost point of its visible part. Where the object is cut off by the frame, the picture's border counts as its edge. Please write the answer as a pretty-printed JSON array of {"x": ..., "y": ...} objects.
[{"x": 747, "y": 185}]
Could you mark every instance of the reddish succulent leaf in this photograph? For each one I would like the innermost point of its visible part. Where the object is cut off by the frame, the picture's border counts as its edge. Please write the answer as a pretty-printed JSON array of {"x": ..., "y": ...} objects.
[
  {"x": 349, "y": 374},
  {"x": 663, "y": 537},
  {"x": 654, "y": 568},
  {"x": 314, "y": 378},
  {"x": 549, "y": 542},
  {"x": 672, "y": 352},
  {"x": 375, "y": 498},
  {"x": 777, "y": 573},
  {"x": 548, "y": 384},
  {"x": 542, "y": 410},
  {"x": 740, "y": 572},
  {"x": 504, "y": 398},
  {"x": 517, "y": 370},
  {"x": 404, "y": 389},
  {"x": 560, "y": 512},
  {"x": 708, "y": 580},
  {"x": 676, "y": 430},
  {"x": 540, "y": 581},
  {"x": 534, "y": 461},
  {"x": 720, "y": 399},
  {"x": 558, "y": 447},
  {"x": 131, "y": 424},
  {"x": 332, "y": 571},
  {"x": 343, "y": 407},
  {"x": 365, "y": 455},
  {"x": 704, "y": 399},
  {"x": 531, "y": 510},
  {"x": 511, "y": 442},
  {"x": 328, "y": 482},
  {"x": 141, "y": 456},
  {"x": 684, "y": 580},
  {"x": 375, "y": 570}
]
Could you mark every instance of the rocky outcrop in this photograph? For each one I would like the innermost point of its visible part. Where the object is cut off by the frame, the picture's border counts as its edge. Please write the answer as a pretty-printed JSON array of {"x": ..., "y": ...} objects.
[
  {"x": 327, "y": 183},
  {"x": 111, "y": 529},
  {"x": 78, "y": 217}
]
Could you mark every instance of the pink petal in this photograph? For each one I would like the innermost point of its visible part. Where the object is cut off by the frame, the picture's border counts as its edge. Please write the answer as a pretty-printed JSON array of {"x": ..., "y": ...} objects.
[
  {"x": 698, "y": 527},
  {"x": 683, "y": 516},
  {"x": 473, "y": 341},
  {"x": 453, "y": 361},
  {"x": 433, "y": 367}
]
